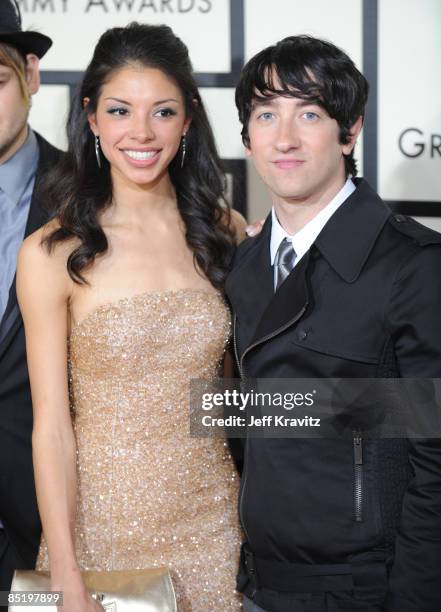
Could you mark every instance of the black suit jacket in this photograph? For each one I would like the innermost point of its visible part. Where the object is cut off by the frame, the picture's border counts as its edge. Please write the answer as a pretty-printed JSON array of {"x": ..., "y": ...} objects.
[
  {"x": 364, "y": 302},
  {"x": 18, "y": 505}
]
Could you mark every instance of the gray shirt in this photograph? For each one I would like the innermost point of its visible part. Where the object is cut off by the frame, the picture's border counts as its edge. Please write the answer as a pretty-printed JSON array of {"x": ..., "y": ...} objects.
[{"x": 17, "y": 178}]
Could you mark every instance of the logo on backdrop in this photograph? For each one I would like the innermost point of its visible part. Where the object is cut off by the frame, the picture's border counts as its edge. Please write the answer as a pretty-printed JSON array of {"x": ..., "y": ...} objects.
[
  {"x": 414, "y": 142},
  {"x": 108, "y": 6}
]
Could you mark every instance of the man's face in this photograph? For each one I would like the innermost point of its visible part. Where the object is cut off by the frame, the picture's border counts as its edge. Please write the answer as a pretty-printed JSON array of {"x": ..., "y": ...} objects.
[
  {"x": 295, "y": 148},
  {"x": 14, "y": 109}
]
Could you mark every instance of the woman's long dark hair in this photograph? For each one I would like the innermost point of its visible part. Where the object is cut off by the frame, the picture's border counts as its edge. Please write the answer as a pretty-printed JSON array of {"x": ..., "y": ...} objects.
[{"x": 77, "y": 190}]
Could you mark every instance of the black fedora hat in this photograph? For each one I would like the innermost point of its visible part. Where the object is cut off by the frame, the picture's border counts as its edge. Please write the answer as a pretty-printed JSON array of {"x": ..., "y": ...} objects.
[{"x": 12, "y": 34}]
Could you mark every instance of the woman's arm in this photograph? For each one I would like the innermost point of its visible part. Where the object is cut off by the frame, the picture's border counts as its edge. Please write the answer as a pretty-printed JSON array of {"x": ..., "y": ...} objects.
[{"x": 43, "y": 289}]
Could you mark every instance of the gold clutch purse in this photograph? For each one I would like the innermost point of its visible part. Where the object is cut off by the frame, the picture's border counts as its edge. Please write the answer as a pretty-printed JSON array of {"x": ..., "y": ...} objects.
[{"x": 149, "y": 590}]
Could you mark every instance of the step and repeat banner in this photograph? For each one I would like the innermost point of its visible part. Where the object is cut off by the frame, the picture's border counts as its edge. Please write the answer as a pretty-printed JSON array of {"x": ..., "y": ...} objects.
[
  {"x": 396, "y": 43},
  {"x": 75, "y": 25},
  {"x": 409, "y": 103}
]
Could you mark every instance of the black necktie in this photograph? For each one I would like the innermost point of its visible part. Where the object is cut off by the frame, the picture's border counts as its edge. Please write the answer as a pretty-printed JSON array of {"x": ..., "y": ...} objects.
[{"x": 284, "y": 261}]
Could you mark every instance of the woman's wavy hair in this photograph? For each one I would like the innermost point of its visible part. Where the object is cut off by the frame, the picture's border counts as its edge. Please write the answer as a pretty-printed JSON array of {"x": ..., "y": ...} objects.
[
  {"x": 311, "y": 69},
  {"x": 77, "y": 190}
]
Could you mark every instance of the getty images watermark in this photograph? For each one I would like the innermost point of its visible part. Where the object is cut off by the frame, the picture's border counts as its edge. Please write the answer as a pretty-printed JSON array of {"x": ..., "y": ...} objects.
[
  {"x": 244, "y": 402},
  {"x": 316, "y": 408}
]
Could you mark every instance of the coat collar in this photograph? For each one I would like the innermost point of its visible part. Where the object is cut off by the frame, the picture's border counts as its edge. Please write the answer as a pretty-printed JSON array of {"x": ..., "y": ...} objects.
[
  {"x": 345, "y": 242},
  {"x": 349, "y": 235}
]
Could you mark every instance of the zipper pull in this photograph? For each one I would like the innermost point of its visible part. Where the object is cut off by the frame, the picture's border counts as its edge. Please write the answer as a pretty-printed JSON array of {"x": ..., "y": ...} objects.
[{"x": 358, "y": 449}]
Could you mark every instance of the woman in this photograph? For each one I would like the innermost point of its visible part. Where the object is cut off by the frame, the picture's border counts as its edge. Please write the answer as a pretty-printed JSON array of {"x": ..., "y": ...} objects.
[{"x": 131, "y": 269}]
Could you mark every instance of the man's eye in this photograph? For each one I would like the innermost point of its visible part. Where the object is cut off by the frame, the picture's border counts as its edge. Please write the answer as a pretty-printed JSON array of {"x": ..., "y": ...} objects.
[
  {"x": 310, "y": 116},
  {"x": 265, "y": 116},
  {"x": 118, "y": 111},
  {"x": 165, "y": 112}
]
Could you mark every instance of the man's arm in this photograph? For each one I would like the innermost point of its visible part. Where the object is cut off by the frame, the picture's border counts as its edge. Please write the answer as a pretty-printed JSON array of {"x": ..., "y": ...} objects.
[{"x": 414, "y": 316}]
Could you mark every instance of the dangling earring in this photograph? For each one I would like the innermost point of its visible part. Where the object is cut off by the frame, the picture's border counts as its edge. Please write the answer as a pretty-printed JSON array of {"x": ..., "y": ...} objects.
[
  {"x": 97, "y": 151},
  {"x": 184, "y": 148}
]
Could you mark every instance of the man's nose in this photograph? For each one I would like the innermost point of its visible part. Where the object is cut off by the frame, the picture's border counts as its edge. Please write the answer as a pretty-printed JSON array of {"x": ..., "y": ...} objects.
[{"x": 288, "y": 136}]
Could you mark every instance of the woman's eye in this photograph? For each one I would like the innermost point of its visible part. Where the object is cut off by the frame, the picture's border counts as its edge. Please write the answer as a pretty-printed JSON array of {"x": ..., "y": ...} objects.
[
  {"x": 118, "y": 111},
  {"x": 165, "y": 112}
]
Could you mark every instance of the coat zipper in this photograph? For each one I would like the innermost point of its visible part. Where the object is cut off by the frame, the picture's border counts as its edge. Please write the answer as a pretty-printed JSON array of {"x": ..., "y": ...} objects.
[
  {"x": 271, "y": 335},
  {"x": 236, "y": 355},
  {"x": 358, "y": 475},
  {"x": 242, "y": 376},
  {"x": 245, "y": 463}
]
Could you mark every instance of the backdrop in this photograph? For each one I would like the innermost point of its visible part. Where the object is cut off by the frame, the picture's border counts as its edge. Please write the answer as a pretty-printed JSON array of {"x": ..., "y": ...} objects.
[{"x": 396, "y": 43}]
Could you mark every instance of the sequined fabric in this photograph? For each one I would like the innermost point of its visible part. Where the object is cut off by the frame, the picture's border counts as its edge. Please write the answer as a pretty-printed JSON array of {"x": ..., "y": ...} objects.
[{"x": 148, "y": 494}]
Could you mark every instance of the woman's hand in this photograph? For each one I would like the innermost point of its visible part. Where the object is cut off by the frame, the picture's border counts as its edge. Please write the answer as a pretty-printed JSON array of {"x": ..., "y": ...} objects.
[
  {"x": 76, "y": 598},
  {"x": 255, "y": 228}
]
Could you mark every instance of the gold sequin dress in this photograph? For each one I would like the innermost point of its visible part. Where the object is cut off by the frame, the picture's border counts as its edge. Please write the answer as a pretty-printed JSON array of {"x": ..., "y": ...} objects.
[{"x": 148, "y": 494}]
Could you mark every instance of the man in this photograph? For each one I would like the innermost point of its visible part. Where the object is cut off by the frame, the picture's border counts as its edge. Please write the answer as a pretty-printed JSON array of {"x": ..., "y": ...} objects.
[
  {"x": 335, "y": 286},
  {"x": 24, "y": 158}
]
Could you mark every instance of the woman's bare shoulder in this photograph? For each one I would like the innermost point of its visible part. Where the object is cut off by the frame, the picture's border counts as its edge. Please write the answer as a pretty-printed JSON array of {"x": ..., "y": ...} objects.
[
  {"x": 36, "y": 245},
  {"x": 49, "y": 264},
  {"x": 237, "y": 224}
]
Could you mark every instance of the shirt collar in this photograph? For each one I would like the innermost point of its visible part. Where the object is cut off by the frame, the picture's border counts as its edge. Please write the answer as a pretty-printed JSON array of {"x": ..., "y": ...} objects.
[
  {"x": 304, "y": 238},
  {"x": 16, "y": 172}
]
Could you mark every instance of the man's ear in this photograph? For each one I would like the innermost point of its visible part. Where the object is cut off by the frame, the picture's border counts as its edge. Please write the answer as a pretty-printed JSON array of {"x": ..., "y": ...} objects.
[
  {"x": 32, "y": 73},
  {"x": 354, "y": 132},
  {"x": 247, "y": 144}
]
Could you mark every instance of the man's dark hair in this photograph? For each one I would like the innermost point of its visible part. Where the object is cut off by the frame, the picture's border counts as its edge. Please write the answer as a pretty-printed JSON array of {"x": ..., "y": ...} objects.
[{"x": 307, "y": 68}]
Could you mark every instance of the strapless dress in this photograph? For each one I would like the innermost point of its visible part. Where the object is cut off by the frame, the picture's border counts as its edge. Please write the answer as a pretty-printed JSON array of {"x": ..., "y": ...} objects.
[{"x": 148, "y": 493}]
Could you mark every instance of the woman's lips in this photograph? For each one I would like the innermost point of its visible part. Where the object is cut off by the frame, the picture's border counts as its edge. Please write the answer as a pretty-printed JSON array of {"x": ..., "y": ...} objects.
[{"x": 141, "y": 158}]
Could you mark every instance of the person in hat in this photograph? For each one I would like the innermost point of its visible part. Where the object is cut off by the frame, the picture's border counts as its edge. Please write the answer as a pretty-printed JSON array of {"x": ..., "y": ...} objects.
[{"x": 24, "y": 158}]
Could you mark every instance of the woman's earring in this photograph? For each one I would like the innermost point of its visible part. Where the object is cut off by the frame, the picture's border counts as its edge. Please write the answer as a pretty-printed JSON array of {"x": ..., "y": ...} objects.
[
  {"x": 184, "y": 148},
  {"x": 97, "y": 151}
]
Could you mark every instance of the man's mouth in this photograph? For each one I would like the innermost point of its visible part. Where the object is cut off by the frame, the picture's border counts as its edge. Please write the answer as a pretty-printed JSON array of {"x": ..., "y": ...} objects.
[{"x": 288, "y": 163}]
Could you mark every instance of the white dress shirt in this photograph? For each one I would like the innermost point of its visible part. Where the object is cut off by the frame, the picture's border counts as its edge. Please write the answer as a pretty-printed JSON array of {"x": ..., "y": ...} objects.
[{"x": 304, "y": 238}]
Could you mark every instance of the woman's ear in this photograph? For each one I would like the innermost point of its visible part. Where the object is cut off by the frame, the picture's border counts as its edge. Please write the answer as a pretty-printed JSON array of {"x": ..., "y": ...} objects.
[
  {"x": 187, "y": 124},
  {"x": 189, "y": 119},
  {"x": 91, "y": 117}
]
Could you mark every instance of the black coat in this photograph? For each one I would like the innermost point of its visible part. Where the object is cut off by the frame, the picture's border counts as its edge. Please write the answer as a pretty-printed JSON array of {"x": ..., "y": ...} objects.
[
  {"x": 18, "y": 505},
  {"x": 364, "y": 302}
]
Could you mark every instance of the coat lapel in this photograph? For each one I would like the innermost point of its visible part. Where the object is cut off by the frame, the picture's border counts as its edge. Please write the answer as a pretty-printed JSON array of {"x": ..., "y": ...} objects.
[
  {"x": 286, "y": 306},
  {"x": 250, "y": 287},
  {"x": 49, "y": 155}
]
